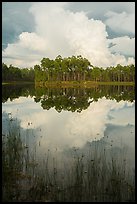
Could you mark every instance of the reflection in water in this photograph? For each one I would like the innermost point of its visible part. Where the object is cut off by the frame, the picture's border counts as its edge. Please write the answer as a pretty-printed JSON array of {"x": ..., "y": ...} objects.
[
  {"x": 70, "y": 99},
  {"x": 63, "y": 120},
  {"x": 15, "y": 91},
  {"x": 72, "y": 128}
]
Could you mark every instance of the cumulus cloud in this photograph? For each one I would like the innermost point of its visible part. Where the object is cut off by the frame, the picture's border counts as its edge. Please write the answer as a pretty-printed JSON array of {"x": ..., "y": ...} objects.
[
  {"x": 123, "y": 45},
  {"x": 27, "y": 50},
  {"x": 15, "y": 20},
  {"x": 61, "y": 31},
  {"x": 97, "y": 10},
  {"x": 121, "y": 22}
]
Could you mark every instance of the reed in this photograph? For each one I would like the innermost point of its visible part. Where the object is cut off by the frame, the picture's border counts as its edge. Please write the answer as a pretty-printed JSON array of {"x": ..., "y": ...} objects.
[{"x": 82, "y": 177}]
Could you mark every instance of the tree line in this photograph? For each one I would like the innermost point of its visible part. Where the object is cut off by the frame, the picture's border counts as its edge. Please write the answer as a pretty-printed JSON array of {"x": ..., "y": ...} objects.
[
  {"x": 11, "y": 73},
  {"x": 75, "y": 68}
]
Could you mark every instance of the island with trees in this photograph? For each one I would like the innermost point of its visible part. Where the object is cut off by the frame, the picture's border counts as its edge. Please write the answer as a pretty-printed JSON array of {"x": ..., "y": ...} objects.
[{"x": 69, "y": 71}]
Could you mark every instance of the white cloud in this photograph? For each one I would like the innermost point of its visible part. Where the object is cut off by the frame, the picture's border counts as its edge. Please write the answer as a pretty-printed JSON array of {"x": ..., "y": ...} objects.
[
  {"x": 123, "y": 45},
  {"x": 27, "y": 50},
  {"x": 67, "y": 129},
  {"x": 121, "y": 22},
  {"x": 60, "y": 31}
]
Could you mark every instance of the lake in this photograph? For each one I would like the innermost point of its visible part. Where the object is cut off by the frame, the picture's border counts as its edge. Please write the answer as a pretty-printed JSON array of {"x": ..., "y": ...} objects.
[{"x": 65, "y": 123}]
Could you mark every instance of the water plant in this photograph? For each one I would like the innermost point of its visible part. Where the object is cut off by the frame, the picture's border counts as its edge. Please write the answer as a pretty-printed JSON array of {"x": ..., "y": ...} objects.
[{"x": 91, "y": 176}]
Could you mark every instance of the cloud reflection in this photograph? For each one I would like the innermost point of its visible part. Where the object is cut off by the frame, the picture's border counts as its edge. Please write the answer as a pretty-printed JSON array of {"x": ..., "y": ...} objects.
[{"x": 67, "y": 129}]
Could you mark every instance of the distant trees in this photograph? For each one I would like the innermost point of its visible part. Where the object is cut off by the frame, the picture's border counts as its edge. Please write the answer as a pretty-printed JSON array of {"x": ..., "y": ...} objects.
[
  {"x": 62, "y": 69},
  {"x": 12, "y": 73},
  {"x": 77, "y": 68}
]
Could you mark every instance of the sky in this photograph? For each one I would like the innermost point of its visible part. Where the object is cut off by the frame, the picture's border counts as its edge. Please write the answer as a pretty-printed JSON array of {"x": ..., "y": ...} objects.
[{"x": 103, "y": 32}]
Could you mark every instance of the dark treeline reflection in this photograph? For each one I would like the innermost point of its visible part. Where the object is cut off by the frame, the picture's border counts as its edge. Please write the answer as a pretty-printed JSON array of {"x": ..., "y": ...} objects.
[
  {"x": 15, "y": 91},
  {"x": 71, "y": 99},
  {"x": 78, "y": 99}
]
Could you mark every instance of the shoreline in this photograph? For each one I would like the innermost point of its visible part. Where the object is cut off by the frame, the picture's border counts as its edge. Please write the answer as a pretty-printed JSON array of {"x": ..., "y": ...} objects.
[
  {"x": 86, "y": 84},
  {"x": 17, "y": 82}
]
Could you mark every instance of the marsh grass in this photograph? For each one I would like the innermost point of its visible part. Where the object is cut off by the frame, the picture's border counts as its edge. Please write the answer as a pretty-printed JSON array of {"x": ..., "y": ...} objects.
[
  {"x": 87, "y": 84},
  {"x": 86, "y": 177}
]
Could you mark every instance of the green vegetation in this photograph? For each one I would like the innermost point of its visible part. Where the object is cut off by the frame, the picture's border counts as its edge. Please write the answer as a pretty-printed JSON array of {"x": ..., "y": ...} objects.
[
  {"x": 86, "y": 84},
  {"x": 80, "y": 69},
  {"x": 13, "y": 74},
  {"x": 66, "y": 84},
  {"x": 95, "y": 176},
  {"x": 71, "y": 70}
]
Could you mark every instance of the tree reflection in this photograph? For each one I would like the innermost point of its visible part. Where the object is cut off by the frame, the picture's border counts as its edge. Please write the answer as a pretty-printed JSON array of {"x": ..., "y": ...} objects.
[
  {"x": 78, "y": 99},
  {"x": 12, "y": 92},
  {"x": 69, "y": 99}
]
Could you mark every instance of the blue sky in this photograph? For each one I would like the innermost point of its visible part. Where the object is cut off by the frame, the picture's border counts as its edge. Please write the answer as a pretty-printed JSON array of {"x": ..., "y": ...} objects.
[{"x": 103, "y": 32}]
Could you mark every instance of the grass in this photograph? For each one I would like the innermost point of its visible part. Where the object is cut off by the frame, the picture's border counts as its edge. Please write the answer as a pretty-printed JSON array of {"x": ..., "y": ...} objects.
[
  {"x": 122, "y": 83},
  {"x": 93, "y": 176},
  {"x": 17, "y": 82},
  {"x": 86, "y": 84},
  {"x": 66, "y": 84}
]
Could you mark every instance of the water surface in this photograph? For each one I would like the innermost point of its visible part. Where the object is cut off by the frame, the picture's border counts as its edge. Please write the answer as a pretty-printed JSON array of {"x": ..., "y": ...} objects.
[
  {"x": 64, "y": 118},
  {"x": 78, "y": 143}
]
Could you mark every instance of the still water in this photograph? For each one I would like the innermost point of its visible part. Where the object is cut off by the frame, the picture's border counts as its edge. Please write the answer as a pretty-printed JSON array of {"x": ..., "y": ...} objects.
[
  {"x": 65, "y": 118},
  {"x": 68, "y": 144}
]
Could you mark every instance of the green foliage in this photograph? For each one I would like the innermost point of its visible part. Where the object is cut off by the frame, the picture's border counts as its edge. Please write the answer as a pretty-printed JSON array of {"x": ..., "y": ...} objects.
[
  {"x": 12, "y": 73},
  {"x": 77, "y": 68},
  {"x": 62, "y": 69}
]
